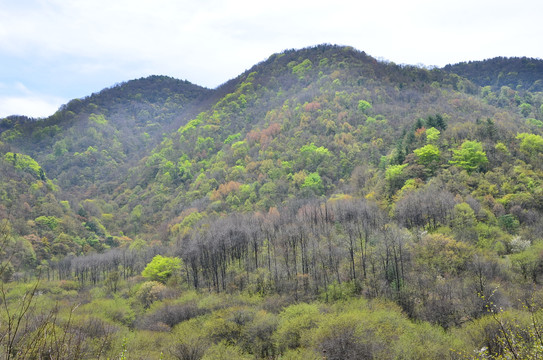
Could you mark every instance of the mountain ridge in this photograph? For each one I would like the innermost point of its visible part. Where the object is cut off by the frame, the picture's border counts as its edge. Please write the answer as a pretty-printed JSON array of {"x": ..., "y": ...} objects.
[
  {"x": 173, "y": 145},
  {"x": 505, "y": 62},
  {"x": 502, "y": 71}
]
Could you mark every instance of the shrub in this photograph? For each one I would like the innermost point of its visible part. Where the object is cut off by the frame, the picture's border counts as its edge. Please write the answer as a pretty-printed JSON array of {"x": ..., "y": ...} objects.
[
  {"x": 150, "y": 292},
  {"x": 170, "y": 315}
]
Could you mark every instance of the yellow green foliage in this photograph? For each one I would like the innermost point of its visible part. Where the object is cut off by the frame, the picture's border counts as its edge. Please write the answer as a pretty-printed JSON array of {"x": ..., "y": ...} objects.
[
  {"x": 161, "y": 268},
  {"x": 442, "y": 254},
  {"x": 25, "y": 162},
  {"x": 470, "y": 156}
]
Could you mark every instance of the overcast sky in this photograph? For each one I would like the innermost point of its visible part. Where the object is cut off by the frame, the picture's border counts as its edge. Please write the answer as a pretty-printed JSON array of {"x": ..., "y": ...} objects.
[{"x": 52, "y": 51}]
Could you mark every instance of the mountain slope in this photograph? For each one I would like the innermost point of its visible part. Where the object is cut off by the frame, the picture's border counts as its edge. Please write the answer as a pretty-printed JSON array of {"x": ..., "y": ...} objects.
[
  {"x": 317, "y": 122},
  {"x": 94, "y": 140},
  {"x": 83, "y": 152},
  {"x": 516, "y": 73},
  {"x": 298, "y": 125}
]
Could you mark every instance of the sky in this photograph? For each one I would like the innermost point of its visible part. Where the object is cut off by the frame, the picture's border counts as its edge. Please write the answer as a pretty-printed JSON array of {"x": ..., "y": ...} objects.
[{"x": 52, "y": 51}]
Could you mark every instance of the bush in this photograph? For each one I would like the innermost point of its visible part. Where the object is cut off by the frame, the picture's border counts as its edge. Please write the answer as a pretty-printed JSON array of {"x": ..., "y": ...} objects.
[
  {"x": 339, "y": 339},
  {"x": 170, "y": 315},
  {"x": 223, "y": 351},
  {"x": 190, "y": 341},
  {"x": 294, "y": 321},
  {"x": 258, "y": 335},
  {"x": 149, "y": 292}
]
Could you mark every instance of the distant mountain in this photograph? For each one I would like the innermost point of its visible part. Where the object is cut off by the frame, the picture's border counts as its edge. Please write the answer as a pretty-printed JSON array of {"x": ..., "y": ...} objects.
[
  {"x": 92, "y": 141},
  {"x": 84, "y": 150},
  {"x": 323, "y": 121},
  {"x": 519, "y": 73}
]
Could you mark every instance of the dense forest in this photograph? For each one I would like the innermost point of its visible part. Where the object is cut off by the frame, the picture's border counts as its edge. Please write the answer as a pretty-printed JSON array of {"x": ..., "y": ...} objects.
[{"x": 321, "y": 205}]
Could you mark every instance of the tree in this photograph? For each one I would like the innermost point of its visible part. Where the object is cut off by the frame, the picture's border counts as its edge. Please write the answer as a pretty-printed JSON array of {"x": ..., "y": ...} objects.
[
  {"x": 313, "y": 182},
  {"x": 470, "y": 156},
  {"x": 437, "y": 122},
  {"x": 529, "y": 263},
  {"x": 525, "y": 109},
  {"x": 428, "y": 155},
  {"x": 313, "y": 157},
  {"x": 463, "y": 223},
  {"x": 363, "y": 105},
  {"x": 395, "y": 177},
  {"x": 429, "y": 206},
  {"x": 432, "y": 135},
  {"x": 442, "y": 255},
  {"x": 161, "y": 268},
  {"x": 530, "y": 144}
]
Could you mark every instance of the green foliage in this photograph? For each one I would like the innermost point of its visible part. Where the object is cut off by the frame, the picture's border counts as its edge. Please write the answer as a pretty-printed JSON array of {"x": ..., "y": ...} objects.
[
  {"x": 25, "y": 162},
  {"x": 293, "y": 322},
  {"x": 191, "y": 125},
  {"x": 232, "y": 138},
  {"x": 470, "y": 156},
  {"x": 437, "y": 121},
  {"x": 338, "y": 292},
  {"x": 530, "y": 144},
  {"x": 311, "y": 149},
  {"x": 45, "y": 132},
  {"x": 534, "y": 122},
  {"x": 184, "y": 170},
  {"x": 501, "y": 71},
  {"x": 528, "y": 262},
  {"x": 395, "y": 176},
  {"x": 238, "y": 194},
  {"x": 161, "y": 268},
  {"x": 98, "y": 119},
  {"x": 363, "y": 105},
  {"x": 525, "y": 109},
  {"x": 501, "y": 147},
  {"x": 50, "y": 222},
  {"x": 313, "y": 157},
  {"x": 443, "y": 255},
  {"x": 509, "y": 223},
  {"x": 223, "y": 351},
  {"x": 136, "y": 212},
  {"x": 10, "y": 135},
  {"x": 427, "y": 155},
  {"x": 313, "y": 182},
  {"x": 463, "y": 223},
  {"x": 116, "y": 309},
  {"x": 205, "y": 144},
  {"x": 432, "y": 135},
  {"x": 357, "y": 330},
  {"x": 302, "y": 68}
]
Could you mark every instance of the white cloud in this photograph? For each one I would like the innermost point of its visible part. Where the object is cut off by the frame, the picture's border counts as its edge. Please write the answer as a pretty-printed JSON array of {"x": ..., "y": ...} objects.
[
  {"x": 33, "y": 106},
  {"x": 171, "y": 33},
  {"x": 17, "y": 99}
]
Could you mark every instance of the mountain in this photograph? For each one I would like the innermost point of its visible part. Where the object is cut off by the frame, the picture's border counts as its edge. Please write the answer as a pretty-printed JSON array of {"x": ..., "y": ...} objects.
[
  {"x": 516, "y": 73},
  {"x": 315, "y": 114},
  {"x": 322, "y": 203},
  {"x": 96, "y": 139},
  {"x": 303, "y": 123},
  {"x": 84, "y": 149}
]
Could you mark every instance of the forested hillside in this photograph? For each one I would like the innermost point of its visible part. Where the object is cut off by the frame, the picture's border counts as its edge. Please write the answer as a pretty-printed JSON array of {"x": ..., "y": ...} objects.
[
  {"x": 516, "y": 73},
  {"x": 92, "y": 141},
  {"x": 322, "y": 204}
]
